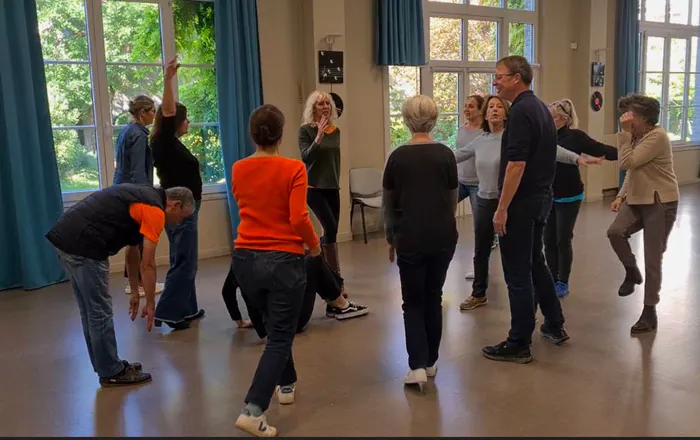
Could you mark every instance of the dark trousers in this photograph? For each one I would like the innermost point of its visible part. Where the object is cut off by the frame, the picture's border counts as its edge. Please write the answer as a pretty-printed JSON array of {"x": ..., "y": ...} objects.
[
  {"x": 423, "y": 275},
  {"x": 483, "y": 243},
  {"x": 526, "y": 273},
  {"x": 558, "y": 238},
  {"x": 179, "y": 299},
  {"x": 274, "y": 283},
  {"x": 325, "y": 204}
]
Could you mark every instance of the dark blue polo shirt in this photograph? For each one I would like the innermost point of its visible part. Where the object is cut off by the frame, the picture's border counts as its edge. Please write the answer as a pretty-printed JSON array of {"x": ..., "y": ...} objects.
[{"x": 530, "y": 136}]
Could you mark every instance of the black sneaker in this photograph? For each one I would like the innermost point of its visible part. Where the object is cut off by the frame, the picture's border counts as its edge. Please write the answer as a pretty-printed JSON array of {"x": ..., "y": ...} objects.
[
  {"x": 128, "y": 376},
  {"x": 351, "y": 311},
  {"x": 330, "y": 311},
  {"x": 632, "y": 277},
  {"x": 508, "y": 353},
  {"x": 558, "y": 337},
  {"x": 136, "y": 365}
]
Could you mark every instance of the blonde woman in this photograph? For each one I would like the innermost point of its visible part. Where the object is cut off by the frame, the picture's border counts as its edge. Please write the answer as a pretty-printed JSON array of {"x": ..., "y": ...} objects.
[{"x": 319, "y": 142}]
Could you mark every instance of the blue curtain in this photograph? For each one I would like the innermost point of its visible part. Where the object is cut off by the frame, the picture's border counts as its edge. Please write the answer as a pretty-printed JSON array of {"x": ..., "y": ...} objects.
[
  {"x": 29, "y": 187},
  {"x": 627, "y": 51},
  {"x": 399, "y": 35},
  {"x": 238, "y": 82}
]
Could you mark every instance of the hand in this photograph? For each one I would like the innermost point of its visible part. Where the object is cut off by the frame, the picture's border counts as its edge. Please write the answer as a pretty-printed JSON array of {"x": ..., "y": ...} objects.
[
  {"x": 315, "y": 251},
  {"x": 171, "y": 69},
  {"x": 626, "y": 121},
  {"x": 500, "y": 218},
  {"x": 616, "y": 204},
  {"x": 149, "y": 312},
  {"x": 322, "y": 125},
  {"x": 392, "y": 253},
  {"x": 583, "y": 161},
  {"x": 134, "y": 302},
  {"x": 244, "y": 323}
]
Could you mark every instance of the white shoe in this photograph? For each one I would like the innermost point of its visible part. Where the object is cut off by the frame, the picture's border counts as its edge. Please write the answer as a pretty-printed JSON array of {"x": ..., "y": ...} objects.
[
  {"x": 431, "y": 371},
  {"x": 416, "y": 377},
  {"x": 256, "y": 425},
  {"x": 469, "y": 275},
  {"x": 285, "y": 394}
]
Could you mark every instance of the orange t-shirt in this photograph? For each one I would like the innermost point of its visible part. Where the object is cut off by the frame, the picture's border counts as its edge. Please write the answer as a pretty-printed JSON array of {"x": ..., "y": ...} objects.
[
  {"x": 271, "y": 196},
  {"x": 151, "y": 218}
]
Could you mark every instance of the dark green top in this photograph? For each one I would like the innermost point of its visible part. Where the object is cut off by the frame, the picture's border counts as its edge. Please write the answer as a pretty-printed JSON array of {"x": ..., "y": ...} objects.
[{"x": 322, "y": 160}]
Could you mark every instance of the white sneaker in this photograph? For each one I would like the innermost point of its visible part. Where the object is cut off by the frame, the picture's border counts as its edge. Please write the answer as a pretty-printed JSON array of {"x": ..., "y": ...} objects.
[
  {"x": 285, "y": 394},
  {"x": 469, "y": 275},
  {"x": 416, "y": 377},
  {"x": 431, "y": 371},
  {"x": 256, "y": 425}
]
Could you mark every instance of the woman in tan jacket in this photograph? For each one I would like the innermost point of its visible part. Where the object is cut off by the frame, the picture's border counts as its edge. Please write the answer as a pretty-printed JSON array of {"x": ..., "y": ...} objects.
[{"x": 648, "y": 200}]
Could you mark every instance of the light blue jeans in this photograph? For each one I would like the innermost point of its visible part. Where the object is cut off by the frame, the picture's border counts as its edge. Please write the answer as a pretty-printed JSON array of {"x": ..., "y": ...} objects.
[{"x": 89, "y": 280}]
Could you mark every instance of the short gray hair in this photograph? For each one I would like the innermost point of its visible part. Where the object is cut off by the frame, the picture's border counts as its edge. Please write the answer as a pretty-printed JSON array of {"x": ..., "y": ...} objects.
[
  {"x": 518, "y": 65},
  {"x": 182, "y": 195},
  {"x": 645, "y": 107},
  {"x": 420, "y": 114}
]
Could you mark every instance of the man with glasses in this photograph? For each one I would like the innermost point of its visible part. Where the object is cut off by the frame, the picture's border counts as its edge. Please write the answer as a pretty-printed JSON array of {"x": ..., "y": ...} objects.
[{"x": 528, "y": 164}]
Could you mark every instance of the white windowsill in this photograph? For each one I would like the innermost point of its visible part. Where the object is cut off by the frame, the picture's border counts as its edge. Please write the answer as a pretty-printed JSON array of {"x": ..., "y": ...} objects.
[
  {"x": 216, "y": 191},
  {"x": 684, "y": 146}
]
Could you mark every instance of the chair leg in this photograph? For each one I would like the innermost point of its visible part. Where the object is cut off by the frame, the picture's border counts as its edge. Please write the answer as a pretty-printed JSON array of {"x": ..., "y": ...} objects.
[
  {"x": 364, "y": 227},
  {"x": 352, "y": 211}
]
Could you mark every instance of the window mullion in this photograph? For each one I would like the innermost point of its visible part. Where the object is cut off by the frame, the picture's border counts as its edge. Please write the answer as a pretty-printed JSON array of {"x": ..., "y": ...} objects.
[
  {"x": 167, "y": 30},
  {"x": 666, "y": 81},
  {"x": 686, "y": 85}
]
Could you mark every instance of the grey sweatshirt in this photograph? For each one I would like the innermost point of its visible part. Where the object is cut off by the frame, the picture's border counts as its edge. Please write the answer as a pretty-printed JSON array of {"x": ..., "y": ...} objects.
[
  {"x": 486, "y": 150},
  {"x": 466, "y": 171}
]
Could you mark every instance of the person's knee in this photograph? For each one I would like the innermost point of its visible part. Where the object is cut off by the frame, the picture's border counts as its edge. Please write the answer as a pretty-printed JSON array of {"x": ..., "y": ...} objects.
[{"x": 615, "y": 232}]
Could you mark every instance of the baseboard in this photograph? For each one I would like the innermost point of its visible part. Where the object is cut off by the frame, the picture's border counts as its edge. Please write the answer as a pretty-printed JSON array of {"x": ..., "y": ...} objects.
[
  {"x": 689, "y": 181},
  {"x": 164, "y": 259}
]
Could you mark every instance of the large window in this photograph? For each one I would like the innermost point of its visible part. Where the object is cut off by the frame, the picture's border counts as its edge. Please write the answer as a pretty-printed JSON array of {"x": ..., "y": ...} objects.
[
  {"x": 669, "y": 68},
  {"x": 465, "y": 39},
  {"x": 99, "y": 54}
]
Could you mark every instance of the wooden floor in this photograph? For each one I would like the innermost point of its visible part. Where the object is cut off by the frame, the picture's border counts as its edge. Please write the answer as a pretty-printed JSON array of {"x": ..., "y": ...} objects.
[{"x": 603, "y": 383}]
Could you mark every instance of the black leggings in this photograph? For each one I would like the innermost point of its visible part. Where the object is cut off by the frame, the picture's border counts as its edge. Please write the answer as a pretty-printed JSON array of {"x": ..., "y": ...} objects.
[
  {"x": 325, "y": 203},
  {"x": 558, "y": 238}
]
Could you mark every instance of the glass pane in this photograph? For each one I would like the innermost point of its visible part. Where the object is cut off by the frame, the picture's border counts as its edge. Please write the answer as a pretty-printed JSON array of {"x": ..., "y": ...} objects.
[
  {"x": 521, "y": 40},
  {"x": 76, "y": 156},
  {"x": 194, "y": 31},
  {"x": 447, "y": 1},
  {"x": 695, "y": 15},
  {"x": 694, "y": 54},
  {"x": 678, "y": 55},
  {"x": 197, "y": 90},
  {"x": 446, "y": 129},
  {"x": 445, "y": 39},
  {"x": 204, "y": 143},
  {"x": 62, "y": 30},
  {"x": 480, "y": 83},
  {"x": 653, "y": 85},
  {"x": 676, "y": 88},
  {"x": 126, "y": 83},
  {"x": 693, "y": 125},
  {"x": 679, "y": 11},
  {"x": 482, "y": 40},
  {"x": 132, "y": 32},
  {"x": 404, "y": 82},
  {"x": 523, "y": 5},
  {"x": 398, "y": 131},
  {"x": 655, "y": 10},
  {"x": 674, "y": 118},
  {"x": 492, "y": 3},
  {"x": 70, "y": 94},
  {"x": 693, "y": 85},
  {"x": 655, "y": 54},
  {"x": 446, "y": 91}
]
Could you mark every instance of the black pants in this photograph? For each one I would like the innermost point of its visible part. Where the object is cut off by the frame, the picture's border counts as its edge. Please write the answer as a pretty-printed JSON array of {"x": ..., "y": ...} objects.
[
  {"x": 423, "y": 275},
  {"x": 483, "y": 243},
  {"x": 526, "y": 273},
  {"x": 558, "y": 237},
  {"x": 275, "y": 283},
  {"x": 325, "y": 204}
]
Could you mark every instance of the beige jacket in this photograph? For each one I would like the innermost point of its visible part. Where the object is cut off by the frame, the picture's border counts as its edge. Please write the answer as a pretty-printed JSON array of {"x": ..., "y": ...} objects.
[{"x": 649, "y": 165}]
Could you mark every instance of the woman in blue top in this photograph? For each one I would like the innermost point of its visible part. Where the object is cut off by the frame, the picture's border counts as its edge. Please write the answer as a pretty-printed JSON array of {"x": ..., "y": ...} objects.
[
  {"x": 133, "y": 155},
  {"x": 486, "y": 149}
]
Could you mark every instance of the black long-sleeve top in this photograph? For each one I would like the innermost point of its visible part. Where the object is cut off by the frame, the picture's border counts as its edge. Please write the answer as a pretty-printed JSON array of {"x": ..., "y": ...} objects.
[{"x": 567, "y": 181}]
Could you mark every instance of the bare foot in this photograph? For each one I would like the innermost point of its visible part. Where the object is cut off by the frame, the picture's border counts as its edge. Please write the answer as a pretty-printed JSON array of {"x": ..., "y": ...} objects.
[{"x": 244, "y": 323}]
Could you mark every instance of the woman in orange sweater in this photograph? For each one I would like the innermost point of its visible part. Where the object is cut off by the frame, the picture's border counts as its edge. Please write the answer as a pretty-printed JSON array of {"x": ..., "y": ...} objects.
[{"x": 268, "y": 258}]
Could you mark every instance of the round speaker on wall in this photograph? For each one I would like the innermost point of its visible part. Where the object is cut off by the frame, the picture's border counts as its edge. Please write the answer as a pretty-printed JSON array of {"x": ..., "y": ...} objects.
[
  {"x": 596, "y": 101},
  {"x": 338, "y": 102}
]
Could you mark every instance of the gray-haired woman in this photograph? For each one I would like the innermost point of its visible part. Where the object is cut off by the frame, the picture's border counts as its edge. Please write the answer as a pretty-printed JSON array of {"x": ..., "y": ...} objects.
[{"x": 648, "y": 200}]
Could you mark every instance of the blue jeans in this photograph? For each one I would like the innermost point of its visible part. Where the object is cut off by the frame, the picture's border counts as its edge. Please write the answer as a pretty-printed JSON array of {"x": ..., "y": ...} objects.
[
  {"x": 468, "y": 191},
  {"x": 89, "y": 280},
  {"x": 528, "y": 278},
  {"x": 274, "y": 283},
  {"x": 179, "y": 299}
]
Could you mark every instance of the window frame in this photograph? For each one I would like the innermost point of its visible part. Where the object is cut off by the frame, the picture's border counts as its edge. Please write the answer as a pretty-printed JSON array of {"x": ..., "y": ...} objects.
[
  {"x": 669, "y": 31},
  {"x": 101, "y": 105}
]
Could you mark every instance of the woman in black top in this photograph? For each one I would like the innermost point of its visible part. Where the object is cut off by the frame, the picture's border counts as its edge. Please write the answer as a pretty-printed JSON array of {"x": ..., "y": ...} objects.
[
  {"x": 176, "y": 166},
  {"x": 568, "y": 192},
  {"x": 319, "y": 142}
]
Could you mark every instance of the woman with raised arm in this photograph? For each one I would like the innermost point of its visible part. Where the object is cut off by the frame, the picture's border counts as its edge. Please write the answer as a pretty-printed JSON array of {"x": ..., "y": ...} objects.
[
  {"x": 177, "y": 166},
  {"x": 568, "y": 192},
  {"x": 486, "y": 149}
]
